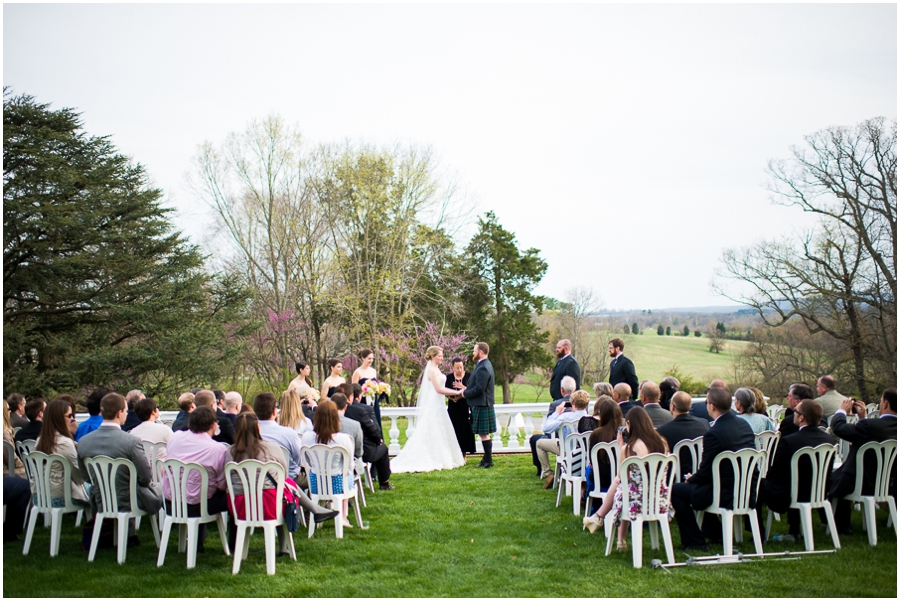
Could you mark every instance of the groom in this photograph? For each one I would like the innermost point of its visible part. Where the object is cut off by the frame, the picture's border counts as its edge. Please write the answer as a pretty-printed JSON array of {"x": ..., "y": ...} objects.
[{"x": 480, "y": 396}]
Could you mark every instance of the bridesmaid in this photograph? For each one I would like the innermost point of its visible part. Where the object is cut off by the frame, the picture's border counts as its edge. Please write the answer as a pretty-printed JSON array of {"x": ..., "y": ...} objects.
[
  {"x": 303, "y": 371},
  {"x": 330, "y": 384},
  {"x": 458, "y": 408},
  {"x": 364, "y": 372}
]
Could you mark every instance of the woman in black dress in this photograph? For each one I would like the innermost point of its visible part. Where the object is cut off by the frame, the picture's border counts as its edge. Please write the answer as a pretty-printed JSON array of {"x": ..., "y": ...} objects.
[{"x": 458, "y": 408}]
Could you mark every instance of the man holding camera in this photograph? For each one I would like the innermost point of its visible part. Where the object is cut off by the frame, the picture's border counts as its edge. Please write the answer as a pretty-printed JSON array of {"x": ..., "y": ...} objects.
[{"x": 578, "y": 405}]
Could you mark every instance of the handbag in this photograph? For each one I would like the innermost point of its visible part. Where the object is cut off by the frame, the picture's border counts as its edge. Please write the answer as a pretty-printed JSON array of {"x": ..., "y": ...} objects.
[{"x": 290, "y": 511}]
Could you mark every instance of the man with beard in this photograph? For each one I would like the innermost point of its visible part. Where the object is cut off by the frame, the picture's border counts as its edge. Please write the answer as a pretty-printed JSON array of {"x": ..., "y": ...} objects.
[
  {"x": 622, "y": 368},
  {"x": 565, "y": 366}
]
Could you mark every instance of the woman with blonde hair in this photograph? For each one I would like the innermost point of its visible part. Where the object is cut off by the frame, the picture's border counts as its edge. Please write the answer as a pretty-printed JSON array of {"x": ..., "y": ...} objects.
[
  {"x": 8, "y": 437},
  {"x": 290, "y": 413},
  {"x": 327, "y": 431}
]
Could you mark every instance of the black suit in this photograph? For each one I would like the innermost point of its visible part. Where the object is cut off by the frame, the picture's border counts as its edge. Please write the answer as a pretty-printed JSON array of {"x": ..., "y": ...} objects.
[
  {"x": 622, "y": 370},
  {"x": 131, "y": 421},
  {"x": 627, "y": 406},
  {"x": 181, "y": 421},
  {"x": 226, "y": 427},
  {"x": 683, "y": 427},
  {"x": 567, "y": 366},
  {"x": 729, "y": 433},
  {"x": 844, "y": 478},
  {"x": 29, "y": 432},
  {"x": 699, "y": 409},
  {"x": 775, "y": 489},
  {"x": 374, "y": 449},
  {"x": 787, "y": 425}
]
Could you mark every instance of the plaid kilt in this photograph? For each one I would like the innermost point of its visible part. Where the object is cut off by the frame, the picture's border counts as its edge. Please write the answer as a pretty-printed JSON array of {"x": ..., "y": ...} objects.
[{"x": 483, "y": 420}]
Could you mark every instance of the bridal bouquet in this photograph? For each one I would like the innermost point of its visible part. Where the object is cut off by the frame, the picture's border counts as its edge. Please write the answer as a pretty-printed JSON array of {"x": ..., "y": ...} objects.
[
  {"x": 374, "y": 387},
  {"x": 313, "y": 394}
]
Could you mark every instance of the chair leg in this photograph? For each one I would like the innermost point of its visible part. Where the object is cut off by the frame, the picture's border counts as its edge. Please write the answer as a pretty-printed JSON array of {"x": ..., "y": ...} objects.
[
  {"x": 32, "y": 522},
  {"x": 727, "y": 532},
  {"x": 269, "y": 533},
  {"x": 637, "y": 546},
  {"x": 359, "y": 523},
  {"x": 754, "y": 527},
  {"x": 154, "y": 525},
  {"x": 311, "y": 527},
  {"x": 829, "y": 514},
  {"x": 892, "y": 513},
  {"x": 122, "y": 551},
  {"x": 78, "y": 518},
  {"x": 654, "y": 535},
  {"x": 98, "y": 523},
  {"x": 806, "y": 524},
  {"x": 222, "y": 522},
  {"x": 182, "y": 537},
  {"x": 239, "y": 548},
  {"x": 193, "y": 534},
  {"x": 164, "y": 543},
  {"x": 559, "y": 492},
  {"x": 609, "y": 528},
  {"x": 339, "y": 520},
  {"x": 769, "y": 523},
  {"x": 576, "y": 498},
  {"x": 869, "y": 518},
  {"x": 738, "y": 529},
  {"x": 55, "y": 531},
  {"x": 667, "y": 539}
]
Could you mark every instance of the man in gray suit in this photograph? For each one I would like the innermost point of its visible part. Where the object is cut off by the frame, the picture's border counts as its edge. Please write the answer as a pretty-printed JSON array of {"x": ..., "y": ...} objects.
[
  {"x": 480, "y": 396},
  {"x": 830, "y": 398},
  {"x": 110, "y": 440},
  {"x": 650, "y": 394}
]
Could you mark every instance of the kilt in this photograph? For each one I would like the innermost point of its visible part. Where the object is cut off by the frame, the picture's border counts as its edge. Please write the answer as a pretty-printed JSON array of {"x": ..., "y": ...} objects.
[{"x": 483, "y": 420}]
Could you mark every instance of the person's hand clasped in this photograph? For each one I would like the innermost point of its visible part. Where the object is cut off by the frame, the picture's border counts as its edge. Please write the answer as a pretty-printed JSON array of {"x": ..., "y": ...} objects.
[{"x": 559, "y": 409}]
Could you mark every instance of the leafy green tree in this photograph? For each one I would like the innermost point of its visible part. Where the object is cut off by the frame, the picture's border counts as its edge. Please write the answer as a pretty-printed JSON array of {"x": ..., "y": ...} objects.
[
  {"x": 697, "y": 333},
  {"x": 686, "y": 331},
  {"x": 634, "y": 329},
  {"x": 660, "y": 331},
  {"x": 500, "y": 301},
  {"x": 98, "y": 289}
]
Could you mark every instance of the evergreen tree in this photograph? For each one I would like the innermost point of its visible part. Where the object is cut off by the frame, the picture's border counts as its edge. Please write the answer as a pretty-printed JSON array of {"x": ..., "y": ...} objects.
[
  {"x": 686, "y": 331},
  {"x": 660, "y": 331},
  {"x": 668, "y": 331},
  {"x": 634, "y": 329}
]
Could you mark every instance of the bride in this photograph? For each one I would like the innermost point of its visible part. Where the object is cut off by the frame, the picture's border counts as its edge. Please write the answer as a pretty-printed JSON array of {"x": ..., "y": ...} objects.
[{"x": 433, "y": 445}]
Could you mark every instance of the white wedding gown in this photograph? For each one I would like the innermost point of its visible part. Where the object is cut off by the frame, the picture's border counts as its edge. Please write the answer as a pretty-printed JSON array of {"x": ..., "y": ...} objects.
[{"x": 433, "y": 445}]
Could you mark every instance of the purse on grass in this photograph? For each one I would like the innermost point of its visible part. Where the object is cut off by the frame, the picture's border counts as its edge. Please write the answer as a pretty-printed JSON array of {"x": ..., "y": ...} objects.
[{"x": 291, "y": 512}]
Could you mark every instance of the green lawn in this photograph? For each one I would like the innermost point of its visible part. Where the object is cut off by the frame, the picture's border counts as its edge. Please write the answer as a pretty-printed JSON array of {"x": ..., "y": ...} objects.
[{"x": 463, "y": 533}]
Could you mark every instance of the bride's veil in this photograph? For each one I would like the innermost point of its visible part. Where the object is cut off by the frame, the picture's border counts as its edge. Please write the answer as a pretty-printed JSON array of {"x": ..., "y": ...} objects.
[{"x": 423, "y": 389}]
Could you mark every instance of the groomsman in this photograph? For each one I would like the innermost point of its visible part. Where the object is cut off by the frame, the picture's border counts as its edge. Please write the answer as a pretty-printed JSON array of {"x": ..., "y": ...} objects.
[
  {"x": 622, "y": 368},
  {"x": 565, "y": 366}
]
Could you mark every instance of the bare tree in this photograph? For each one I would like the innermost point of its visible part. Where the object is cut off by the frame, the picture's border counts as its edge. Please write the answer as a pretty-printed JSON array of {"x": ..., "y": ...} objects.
[{"x": 581, "y": 302}]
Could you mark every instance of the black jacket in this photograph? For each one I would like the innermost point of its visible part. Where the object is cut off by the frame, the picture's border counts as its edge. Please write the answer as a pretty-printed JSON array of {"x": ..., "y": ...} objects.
[
  {"x": 622, "y": 370},
  {"x": 683, "y": 427},
  {"x": 778, "y": 480},
  {"x": 567, "y": 366},
  {"x": 730, "y": 433},
  {"x": 865, "y": 430}
]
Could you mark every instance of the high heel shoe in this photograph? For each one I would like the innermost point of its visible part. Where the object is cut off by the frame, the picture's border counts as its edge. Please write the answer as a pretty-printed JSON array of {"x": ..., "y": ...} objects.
[
  {"x": 593, "y": 523},
  {"x": 622, "y": 546}
]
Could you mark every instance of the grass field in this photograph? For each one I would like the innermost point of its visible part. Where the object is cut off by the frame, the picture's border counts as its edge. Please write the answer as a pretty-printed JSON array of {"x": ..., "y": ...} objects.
[
  {"x": 653, "y": 355},
  {"x": 460, "y": 533}
]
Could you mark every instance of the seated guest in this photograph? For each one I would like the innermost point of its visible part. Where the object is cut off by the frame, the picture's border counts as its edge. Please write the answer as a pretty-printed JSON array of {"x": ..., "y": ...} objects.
[
  {"x": 601, "y": 388},
  {"x": 642, "y": 440},
  {"x": 545, "y": 446},
  {"x": 650, "y": 394},
  {"x": 93, "y": 408},
  {"x": 150, "y": 430},
  {"x": 683, "y": 426},
  {"x": 667, "y": 389},
  {"x": 56, "y": 438},
  {"x": 327, "y": 426},
  {"x": 110, "y": 440},
  {"x": 266, "y": 407},
  {"x": 290, "y": 414},
  {"x": 131, "y": 419},
  {"x": 233, "y": 402},
  {"x": 206, "y": 398},
  {"x": 567, "y": 387},
  {"x": 245, "y": 408},
  {"x": 16, "y": 405},
  {"x": 196, "y": 445},
  {"x": 745, "y": 400},
  {"x": 829, "y": 397},
  {"x": 727, "y": 433},
  {"x": 16, "y": 497},
  {"x": 878, "y": 429},
  {"x": 796, "y": 393},
  {"x": 775, "y": 488},
  {"x": 8, "y": 437},
  {"x": 589, "y": 423},
  {"x": 610, "y": 420},
  {"x": 248, "y": 444},
  {"x": 70, "y": 401},
  {"x": 349, "y": 426},
  {"x": 622, "y": 396},
  {"x": 699, "y": 409},
  {"x": 34, "y": 411},
  {"x": 374, "y": 449},
  {"x": 761, "y": 407},
  {"x": 186, "y": 404}
]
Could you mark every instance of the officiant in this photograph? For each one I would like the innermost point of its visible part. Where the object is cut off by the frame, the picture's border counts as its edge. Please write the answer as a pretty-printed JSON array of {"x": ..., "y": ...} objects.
[{"x": 458, "y": 408}]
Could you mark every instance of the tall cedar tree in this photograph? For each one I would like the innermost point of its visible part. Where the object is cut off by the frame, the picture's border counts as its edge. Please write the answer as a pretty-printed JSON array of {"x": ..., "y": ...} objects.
[
  {"x": 500, "y": 303},
  {"x": 98, "y": 289}
]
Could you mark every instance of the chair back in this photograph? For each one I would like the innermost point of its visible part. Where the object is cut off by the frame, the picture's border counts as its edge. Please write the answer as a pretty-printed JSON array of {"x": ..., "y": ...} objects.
[
  {"x": 885, "y": 455},
  {"x": 39, "y": 466},
  {"x": 565, "y": 428},
  {"x": 611, "y": 450},
  {"x": 744, "y": 464},
  {"x": 24, "y": 447},
  {"x": 689, "y": 446},
  {"x": 775, "y": 412},
  {"x": 767, "y": 441},
  {"x": 151, "y": 450},
  {"x": 177, "y": 474},
  {"x": 820, "y": 457},
  {"x": 657, "y": 476},
  {"x": 10, "y": 452},
  {"x": 287, "y": 455},
  {"x": 576, "y": 453},
  {"x": 103, "y": 472},
  {"x": 251, "y": 473},
  {"x": 329, "y": 469}
]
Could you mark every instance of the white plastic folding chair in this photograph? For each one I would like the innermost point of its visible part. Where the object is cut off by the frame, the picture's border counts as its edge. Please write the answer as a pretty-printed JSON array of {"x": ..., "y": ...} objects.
[
  {"x": 886, "y": 455},
  {"x": 744, "y": 464},
  {"x": 24, "y": 447},
  {"x": 9, "y": 454},
  {"x": 768, "y": 442},
  {"x": 611, "y": 451},
  {"x": 155, "y": 451},
  {"x": 176, "y": 473},
  {"x": 572, "y": 473},
  {"x": 694, "y": 447},
  {"x": 330, "y": 474},
  {"x": 657, "y": 476},
  {"x": 103, "y": 470},
  {"x": 40, "y": 465},
  {"x": 566, "y": 428},
  {"x": 252, "y": 476}
]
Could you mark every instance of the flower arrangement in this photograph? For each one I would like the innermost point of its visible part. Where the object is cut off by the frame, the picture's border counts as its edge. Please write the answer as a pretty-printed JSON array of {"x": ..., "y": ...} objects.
[
  {"x": 313, "y": 394},
  {"x": 374, "y": 387}
]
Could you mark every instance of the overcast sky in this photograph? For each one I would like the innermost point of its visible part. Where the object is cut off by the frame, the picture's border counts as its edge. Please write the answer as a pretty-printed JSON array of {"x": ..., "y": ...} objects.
[{"x": 628, "y": 143}]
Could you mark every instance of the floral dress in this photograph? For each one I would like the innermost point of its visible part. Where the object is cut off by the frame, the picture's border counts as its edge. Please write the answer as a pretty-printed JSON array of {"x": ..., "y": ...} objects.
[{"x": 636, "y": 494}]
